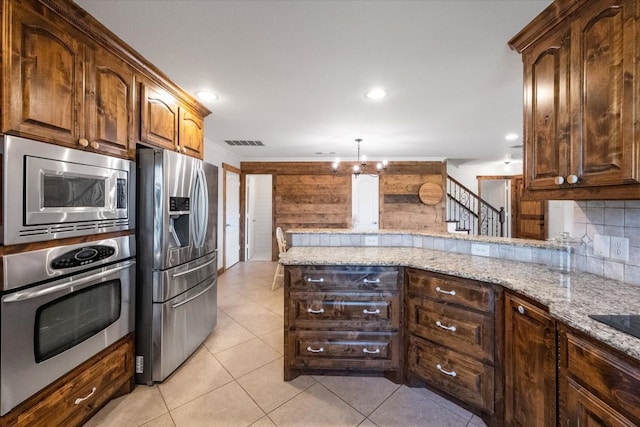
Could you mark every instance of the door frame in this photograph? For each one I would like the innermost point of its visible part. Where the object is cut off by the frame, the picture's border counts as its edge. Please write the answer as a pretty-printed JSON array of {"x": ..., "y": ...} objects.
[{"x": 225, "y": 169}]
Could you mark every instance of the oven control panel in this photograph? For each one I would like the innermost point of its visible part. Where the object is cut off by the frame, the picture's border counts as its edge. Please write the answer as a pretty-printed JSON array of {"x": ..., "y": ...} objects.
[{"x": 82, "y": 256}]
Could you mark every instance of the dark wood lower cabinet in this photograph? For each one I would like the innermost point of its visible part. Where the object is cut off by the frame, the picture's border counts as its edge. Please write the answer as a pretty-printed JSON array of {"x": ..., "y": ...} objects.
[
  {"x": 529, "y": 364},
  {"x": 454, "y": 341},
  {"x": 493, "y": 351},
  {"x": 598, "y": 386},
  {"x": 74, "y": 398},
  {"x": 343, "y": 319}
]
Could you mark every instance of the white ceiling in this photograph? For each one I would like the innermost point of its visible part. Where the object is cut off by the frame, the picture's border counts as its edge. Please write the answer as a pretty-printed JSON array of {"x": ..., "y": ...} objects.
[{"x": 293, "y": 74}]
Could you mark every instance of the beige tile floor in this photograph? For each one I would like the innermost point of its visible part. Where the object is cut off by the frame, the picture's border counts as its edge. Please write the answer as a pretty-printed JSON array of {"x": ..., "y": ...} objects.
[{"x": 235, "y": 378}]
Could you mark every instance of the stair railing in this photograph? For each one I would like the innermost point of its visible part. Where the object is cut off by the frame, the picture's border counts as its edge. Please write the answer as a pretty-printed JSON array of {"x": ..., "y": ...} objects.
[{"x": 472, "y": 213}]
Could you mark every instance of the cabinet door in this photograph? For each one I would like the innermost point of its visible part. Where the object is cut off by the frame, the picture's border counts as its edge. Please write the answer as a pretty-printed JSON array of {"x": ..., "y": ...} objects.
[
  {"x": 530, "y": 365},
  {"x": 603, "y": 93},
  {"x": 44, "y": 78},
  {"x": 546, "y": 74},
  {"x": 110, "y": 105},
  {"x": 191, "y": 133},
  {"x": 586, "y": 410},
  {"x": 158, "y": 117}
]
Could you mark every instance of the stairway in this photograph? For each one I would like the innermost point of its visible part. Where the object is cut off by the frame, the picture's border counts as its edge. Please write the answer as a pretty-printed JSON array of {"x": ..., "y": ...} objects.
[{"x": 469, "y": 214}]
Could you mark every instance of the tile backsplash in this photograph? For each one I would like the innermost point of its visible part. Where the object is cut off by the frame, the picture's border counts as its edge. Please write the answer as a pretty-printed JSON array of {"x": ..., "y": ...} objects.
[{"x": 608, "y": 218}]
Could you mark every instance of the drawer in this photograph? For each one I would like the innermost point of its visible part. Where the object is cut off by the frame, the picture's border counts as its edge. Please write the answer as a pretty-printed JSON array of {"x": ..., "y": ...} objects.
[
  {"x": 75, "y": 397},
  {"x": 467, "y": 293},
  {"x": 345, "y": 350},
  {"x": 319, "y": 278},
  {"x": 376, "y": 311},
  {"x": 456, "y": 374},
  {"x": 463, "y": 330},
  {"x": 611, "y": 378}
]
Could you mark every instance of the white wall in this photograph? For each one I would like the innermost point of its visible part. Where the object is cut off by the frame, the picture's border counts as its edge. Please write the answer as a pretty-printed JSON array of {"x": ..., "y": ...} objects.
[
  {"x": 559, "y": 217},
  {"x": 217, "y": 155},
  {"x": 259, "y": 214},
  {"x": 466, "y": 173}
]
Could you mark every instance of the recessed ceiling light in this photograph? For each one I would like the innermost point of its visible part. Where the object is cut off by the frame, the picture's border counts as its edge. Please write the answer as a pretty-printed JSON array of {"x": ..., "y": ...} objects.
[
  {"x": 376, "y": 93},
  {"x": 206, "y": 96},
  {"x": 511, "y": 137}
]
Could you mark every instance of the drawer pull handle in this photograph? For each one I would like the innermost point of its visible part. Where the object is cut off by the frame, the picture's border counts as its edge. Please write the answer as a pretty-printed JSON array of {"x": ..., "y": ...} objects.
[
  {"x": 82, "y": 399},
  {"x": 310, "y": 280},
  {"x": 521, "y": 309},
  {"x": 451, "y": 328},
  {"x": 312, "y": 311},
  {"x": 450, "y": 373},
  {"x": 452, "y": 293},
  {"x": 376, "y": 311},
  {"x": 372, "y": 281},
  {"x": 367, "y": 351},
  {"x": 313, "y": 350}
]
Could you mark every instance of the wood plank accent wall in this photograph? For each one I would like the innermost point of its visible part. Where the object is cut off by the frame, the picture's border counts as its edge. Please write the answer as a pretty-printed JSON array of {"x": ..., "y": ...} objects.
[
  {"x": 310, "y": 195},
  {"x": 400, "y": 206}
]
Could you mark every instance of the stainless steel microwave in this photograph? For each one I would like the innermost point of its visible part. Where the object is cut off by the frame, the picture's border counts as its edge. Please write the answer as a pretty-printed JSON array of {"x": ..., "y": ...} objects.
[{"x": 53, "y": 192}]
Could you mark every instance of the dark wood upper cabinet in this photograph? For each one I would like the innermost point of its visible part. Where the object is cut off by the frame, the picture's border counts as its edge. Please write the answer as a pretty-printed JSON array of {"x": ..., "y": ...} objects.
[
  {"x": 166, "y": 123},
  {"x": 191, "y": 133},
  {"x": 43, "y": 78},
  {"x": 546, "y": 104},
  {"x": 604, "y": 93},
  {"x": 110, "y": 102},
  {"x": 580, "y": 98},
  {"x": 67, "y": 80},
  {"x": 158, "y": 117}
]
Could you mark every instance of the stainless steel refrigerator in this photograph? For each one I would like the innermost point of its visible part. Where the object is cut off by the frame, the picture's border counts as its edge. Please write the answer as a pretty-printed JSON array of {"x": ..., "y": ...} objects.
[{"x": 176, "y": 297}]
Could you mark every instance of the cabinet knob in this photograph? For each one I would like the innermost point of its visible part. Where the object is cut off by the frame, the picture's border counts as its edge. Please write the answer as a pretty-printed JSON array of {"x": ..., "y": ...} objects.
[
  {"x": 83, "y": 142},
  {"x": 572, "y": 179},
  {"x": 178, "y": 148},
  {"x": 95, "y": 145},
  {"x": 558, "y": 180},
  {"x": 521, "y": 309}
]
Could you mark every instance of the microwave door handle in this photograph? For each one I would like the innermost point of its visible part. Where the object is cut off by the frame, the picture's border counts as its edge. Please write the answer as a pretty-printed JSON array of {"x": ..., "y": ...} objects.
[
  {"x": 77, "y": 283},
  {"x": 199, "y": 294}
]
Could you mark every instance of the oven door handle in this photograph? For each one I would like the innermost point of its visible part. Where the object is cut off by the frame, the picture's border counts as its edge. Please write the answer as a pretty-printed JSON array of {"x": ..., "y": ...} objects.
[
  {"x": 76, "y": 283},
  {"x": 199, "y": 294}
]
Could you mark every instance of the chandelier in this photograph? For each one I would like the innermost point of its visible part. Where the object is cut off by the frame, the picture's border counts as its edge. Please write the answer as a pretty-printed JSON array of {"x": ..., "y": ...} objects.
[{"x": 361, "y": 165}]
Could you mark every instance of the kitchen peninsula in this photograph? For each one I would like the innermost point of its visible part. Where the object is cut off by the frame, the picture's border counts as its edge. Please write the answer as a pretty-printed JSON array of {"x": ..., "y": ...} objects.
[{"x": 513, "y": 315}]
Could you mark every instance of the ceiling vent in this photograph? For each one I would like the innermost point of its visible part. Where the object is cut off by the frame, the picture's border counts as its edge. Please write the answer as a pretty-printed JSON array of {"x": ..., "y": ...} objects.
[{"x": 243, "y": 143}]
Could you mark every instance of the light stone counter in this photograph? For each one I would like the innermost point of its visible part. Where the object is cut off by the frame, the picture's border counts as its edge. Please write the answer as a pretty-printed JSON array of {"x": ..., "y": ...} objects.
[{"x": 569, "y": 297}]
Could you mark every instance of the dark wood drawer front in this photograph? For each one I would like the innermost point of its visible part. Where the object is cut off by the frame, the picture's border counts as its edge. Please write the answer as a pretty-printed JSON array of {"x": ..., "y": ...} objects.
[
  {"x": 345, "y": 278},
  {"x": 354, "y": 312},
  {"x": 614, "y": 380},
  {"x": 453, "y": 290},
  {"x": 461, "y": 376},
  {"x": 76, "y": 396},
  {"x": 462, "y": 330},
  {"x": 350, "y": 350},
  {"x": 588, "y": 410}
]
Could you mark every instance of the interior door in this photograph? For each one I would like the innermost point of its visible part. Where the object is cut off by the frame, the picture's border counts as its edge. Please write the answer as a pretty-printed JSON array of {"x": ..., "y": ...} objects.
[
  {"x": 365, "y": 201},
  {"x": 529, "y": 216},
  {"x": 232, "y": 219}
]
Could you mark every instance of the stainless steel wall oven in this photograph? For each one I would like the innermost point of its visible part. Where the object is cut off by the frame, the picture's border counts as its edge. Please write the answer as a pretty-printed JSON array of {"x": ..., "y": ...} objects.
[
  {"x": 52, "y": 192},
  {"x": 60, "y": 307}
]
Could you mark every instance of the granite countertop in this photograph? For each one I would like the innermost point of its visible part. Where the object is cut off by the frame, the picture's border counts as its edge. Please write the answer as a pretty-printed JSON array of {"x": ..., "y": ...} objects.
[{"x": 569, "y": 297}]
